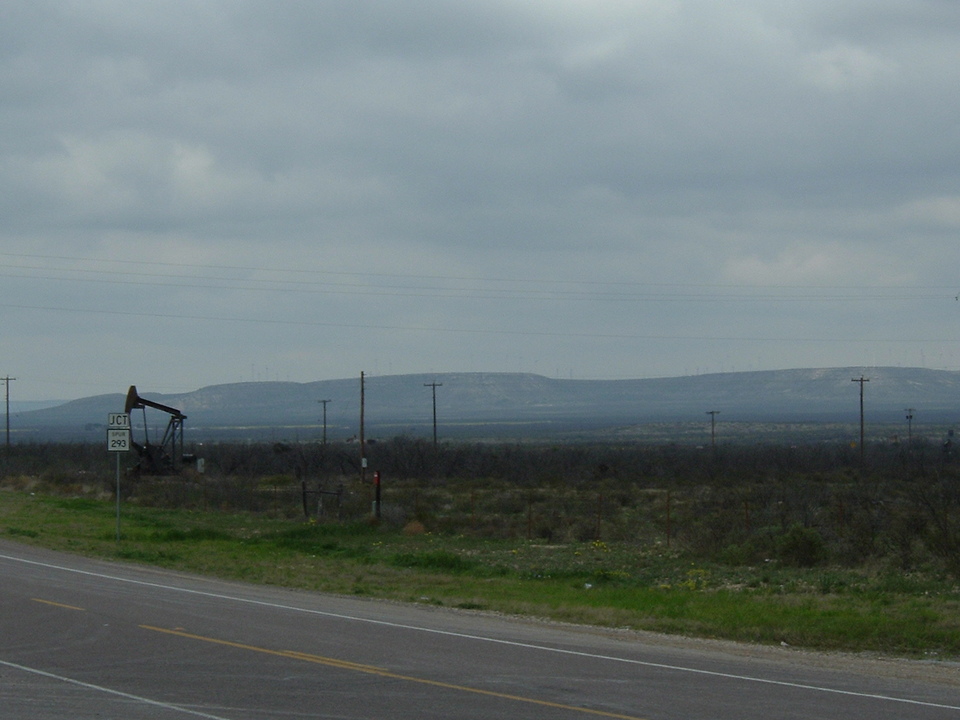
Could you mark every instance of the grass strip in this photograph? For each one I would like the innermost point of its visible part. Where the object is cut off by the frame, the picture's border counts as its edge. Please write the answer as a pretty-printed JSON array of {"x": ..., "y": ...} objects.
[{"x": 619, "y": 585}]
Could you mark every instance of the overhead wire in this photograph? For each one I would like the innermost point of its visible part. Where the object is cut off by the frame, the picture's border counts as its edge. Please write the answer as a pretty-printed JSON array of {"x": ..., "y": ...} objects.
[
  {"x": 551, "y": 289},
  {"x": 461, "y": 330},
  {"x": 707, "y": 293}
]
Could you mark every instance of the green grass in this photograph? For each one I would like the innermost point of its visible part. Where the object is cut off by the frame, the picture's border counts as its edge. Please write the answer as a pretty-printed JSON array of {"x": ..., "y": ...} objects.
[{"x": 644, "y": 587}]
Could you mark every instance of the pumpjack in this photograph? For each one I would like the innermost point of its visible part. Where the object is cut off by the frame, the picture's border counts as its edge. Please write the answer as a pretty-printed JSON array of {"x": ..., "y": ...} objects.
[{"x": 161, "y": 459}]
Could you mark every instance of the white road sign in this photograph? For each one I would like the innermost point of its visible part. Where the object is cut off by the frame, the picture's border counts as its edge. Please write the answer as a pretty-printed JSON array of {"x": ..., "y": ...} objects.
[
  {"x": 118, "y": 420},
  {"x": 118, "y": 440}
]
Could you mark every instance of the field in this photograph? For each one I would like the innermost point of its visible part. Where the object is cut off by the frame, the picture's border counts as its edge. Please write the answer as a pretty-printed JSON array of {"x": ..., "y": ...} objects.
[{"x": 820, "y": 557}]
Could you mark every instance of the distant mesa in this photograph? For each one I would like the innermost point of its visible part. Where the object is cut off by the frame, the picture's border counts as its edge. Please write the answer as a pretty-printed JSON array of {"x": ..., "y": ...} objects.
[{"x": 518, "y": 405}]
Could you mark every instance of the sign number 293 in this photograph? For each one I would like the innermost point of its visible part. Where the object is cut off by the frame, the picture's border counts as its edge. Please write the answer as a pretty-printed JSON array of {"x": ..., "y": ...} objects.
[{"x": 118, "y": 432}]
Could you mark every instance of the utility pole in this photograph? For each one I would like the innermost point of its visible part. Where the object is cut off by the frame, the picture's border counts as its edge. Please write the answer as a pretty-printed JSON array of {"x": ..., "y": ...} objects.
[
  {"x": 324, "y": 419},
  {"x": 6, "y": 381},
  {"x": 363, "y": 456},
  {"x": 434, "y": 386},
  {"x": 861, "y": 380},
  {"x": 713, "y": 429}
]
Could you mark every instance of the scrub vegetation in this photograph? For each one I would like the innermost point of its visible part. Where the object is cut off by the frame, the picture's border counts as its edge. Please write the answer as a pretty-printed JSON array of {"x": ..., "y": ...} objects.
[{"x": 771, "y": 544}]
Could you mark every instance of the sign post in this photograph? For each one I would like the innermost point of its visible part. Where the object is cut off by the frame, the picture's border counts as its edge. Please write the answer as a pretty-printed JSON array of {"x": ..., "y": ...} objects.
[{"x": 118, "y": 441}]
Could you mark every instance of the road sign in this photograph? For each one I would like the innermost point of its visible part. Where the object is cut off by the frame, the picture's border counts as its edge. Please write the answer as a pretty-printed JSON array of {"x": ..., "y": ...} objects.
[
  {"x": 115, "y": 421},
  {"x": 118, "y": 440}
]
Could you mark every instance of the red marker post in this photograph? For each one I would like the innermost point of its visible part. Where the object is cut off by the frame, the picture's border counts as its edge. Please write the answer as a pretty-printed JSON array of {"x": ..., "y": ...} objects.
[{"x": 376, "y": 494}]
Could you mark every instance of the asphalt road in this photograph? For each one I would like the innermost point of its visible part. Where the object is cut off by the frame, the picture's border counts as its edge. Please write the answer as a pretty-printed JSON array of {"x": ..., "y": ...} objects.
[{"x": 88, "y": 639}]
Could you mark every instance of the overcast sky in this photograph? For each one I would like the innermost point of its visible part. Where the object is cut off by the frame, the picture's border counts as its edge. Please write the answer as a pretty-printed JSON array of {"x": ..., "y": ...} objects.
[{"x": 195, "y": 193}]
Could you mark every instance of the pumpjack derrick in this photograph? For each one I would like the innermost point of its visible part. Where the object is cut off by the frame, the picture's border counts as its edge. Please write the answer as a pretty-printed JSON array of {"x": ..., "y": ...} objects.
[{"x": 162, "y": 458}]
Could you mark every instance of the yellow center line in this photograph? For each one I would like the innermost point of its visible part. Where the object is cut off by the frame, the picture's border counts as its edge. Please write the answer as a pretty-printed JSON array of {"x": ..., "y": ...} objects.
[
  {"x": 59, "y": 605},
  {"x": 381, "y": 672}
]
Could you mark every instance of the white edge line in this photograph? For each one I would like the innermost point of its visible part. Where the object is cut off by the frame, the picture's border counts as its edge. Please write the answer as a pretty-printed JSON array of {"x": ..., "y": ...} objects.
[
  {"x": 480, "y": 638},
  {"x": 109, "y": 691}
]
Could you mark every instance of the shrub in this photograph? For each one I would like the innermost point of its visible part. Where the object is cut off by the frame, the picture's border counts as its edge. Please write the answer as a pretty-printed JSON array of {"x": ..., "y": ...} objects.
[
  {"x": 438, "y": 560},
  {"x": 801, "y": 547}
]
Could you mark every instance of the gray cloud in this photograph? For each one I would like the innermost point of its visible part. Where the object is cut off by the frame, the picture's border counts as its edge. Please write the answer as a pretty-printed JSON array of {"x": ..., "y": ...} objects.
[{"x": 630, "y": 189}]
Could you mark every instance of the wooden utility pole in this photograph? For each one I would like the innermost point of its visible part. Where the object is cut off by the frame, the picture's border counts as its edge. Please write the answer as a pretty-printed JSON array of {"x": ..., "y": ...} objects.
[
  {"x": 6, "y": 381},
  {"x": 713, "y": 429},
  {"x": 324, "y": 419},
  {"x": 434, "y": 386},
  {"x": 363, "y": 457},
  {"x": 861, "y": 380}
]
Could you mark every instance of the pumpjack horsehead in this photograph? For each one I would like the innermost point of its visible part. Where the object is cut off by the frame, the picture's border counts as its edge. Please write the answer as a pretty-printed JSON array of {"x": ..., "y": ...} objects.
[{"x": 162, "y": 458}]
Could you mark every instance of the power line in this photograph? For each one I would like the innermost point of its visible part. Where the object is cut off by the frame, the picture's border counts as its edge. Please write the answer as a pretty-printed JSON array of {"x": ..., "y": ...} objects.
[
  {"x": 414, "y": 291},
  {"x": 524, "y": 283},
  {"x": 470, "y": 331}
]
